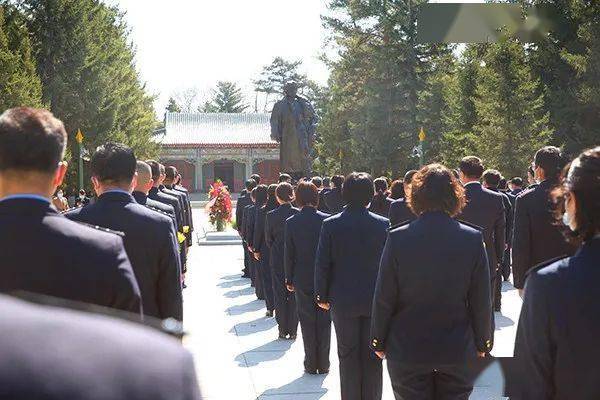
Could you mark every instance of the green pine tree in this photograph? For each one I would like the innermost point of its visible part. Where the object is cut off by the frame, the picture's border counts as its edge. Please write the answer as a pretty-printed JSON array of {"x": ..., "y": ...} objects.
[
  {"x": 226, "y": 98},
  {"x": 172, "y": 106}
]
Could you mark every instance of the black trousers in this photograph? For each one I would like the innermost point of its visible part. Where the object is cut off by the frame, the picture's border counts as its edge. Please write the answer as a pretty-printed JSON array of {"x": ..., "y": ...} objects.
[
  {"x": 267, "y": 279},
  {"x": 315, "y": 324},
  {"x": 412, "y": 382},
  {"x": 258, "y": 279},
  {"x": 497, "y": 289},
  {"x": 360, "y": 368},
  {"x": 246, "y": 270},
  {"x": 285, "y": 304}
]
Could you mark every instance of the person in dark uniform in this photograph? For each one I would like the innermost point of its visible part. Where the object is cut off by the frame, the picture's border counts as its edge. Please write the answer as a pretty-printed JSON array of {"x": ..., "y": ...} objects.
[
  {"x": 142, "y": 188},
  {"x": 323, "y": 190},
  {"x": 531, "y": 180},
  {"x": 333, "y": 198},
  {"x": 53, "y": 354},
  {"x": 516, "y": 187},
  {"x": 243, "y": 201},
  {"x": 42, "y": 251},
  {"x": 484, "y": 209},
  {"x": 301, "y": 240},
  {"x": 259, "y": 198},
  {"x": 399, "y": 210},
  {"x": 248, "y": 231},
  {"x": 149, "y": 237},
  {"x": 536, "y": 237},
  {"x": 285, "y": 178},
  {"x": 347, "y": 262},
  {"x": 559, "y": 325},
  {"x": 491, "y": 179},
  {"x": 380, "y": 204},
  {"x": 175, "y": 186},
  {"x": 261, "y": 251},
  {"x": 170, "y": 174},
  {"x": 397, "y": 189},
  {"x": 285, "y": 301},
  {"x": 431, "y": 310}
]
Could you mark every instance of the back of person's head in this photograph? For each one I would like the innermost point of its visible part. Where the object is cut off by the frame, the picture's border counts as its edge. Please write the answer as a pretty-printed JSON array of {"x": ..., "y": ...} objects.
[
  {"x": 397, "y": 189},
  {"x": 113, "y": 163},
  {"x": 285, "y": 178},
  {"x": 285, "y": 192},
  {"x": 144, "y": 172},
  {"x": 471, "y": 167},
  {"x": 256, "y": 177},
  {"x": 31, "y": 140},
  {"x": 307, "y": 194},
  {"x": 517, "y": 181},
  {"x": 250, "y": 184},
  {"x": 358, "y": 189},
  {"x": 380, "y": 185},
  {"x": 317, "y": 181},
  {"x": 409, "y": 175},
  {"x": 261, "y": 194},
  {"x": 502, "y": 185},
  {"x": 581, "y": 185},
  {"x": 434, "y": 188},
  {"x": 171, "y": 173},
  {"x": 550, "y": 160},
  {"x": 272, "y": 197},
  {"x": 326, "y": 181},
  {"x": 491, "y": 178},
  {"x": 155, "y": 167},
  {"x": 338, "y": 181}
]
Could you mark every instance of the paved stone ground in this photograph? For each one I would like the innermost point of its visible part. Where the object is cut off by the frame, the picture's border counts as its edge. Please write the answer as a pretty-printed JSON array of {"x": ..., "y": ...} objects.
[{"x": 238, "y": 355}]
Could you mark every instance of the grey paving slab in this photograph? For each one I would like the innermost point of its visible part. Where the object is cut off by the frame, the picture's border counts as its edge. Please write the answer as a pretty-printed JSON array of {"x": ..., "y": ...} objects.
[{"x": 239, "y": 357}]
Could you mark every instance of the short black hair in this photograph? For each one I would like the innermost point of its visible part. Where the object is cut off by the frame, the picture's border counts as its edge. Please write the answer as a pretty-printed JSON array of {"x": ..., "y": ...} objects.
[
  {"x": 31, "y": 140},
  {"x": 517, "y": 181},
  {"x": 284, "y": 178},
  {"x": 113, "y": 162},
  {"x": 307, "y": 194},
  {"x": 358, "y": 189},
  {"x": 317, "y": 181},
  {"x": 338, "y": 181},
  {"x": 326, "y": 181},
  {"x": 256, "y": 177},
  {"x": 492, "y": 177},
  {"x": 250, "y": 184},
  {"x": 550, "y": 159},
  {"x": 155, "y": 167},
  {"x": 171, "y": 172},
  {"x": 471, "y": 167}
]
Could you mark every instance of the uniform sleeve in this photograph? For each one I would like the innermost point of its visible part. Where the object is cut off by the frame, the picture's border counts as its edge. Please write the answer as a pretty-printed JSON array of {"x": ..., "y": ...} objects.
[
  {"x": 289, "y": 254},
  {"x": 250, "y": 228},
  {"x": 238, "y": 215},
  {"x": 323, "y": 261},
  {"x": 191, "y": 387},
  {"x": 170, "y": 301},
  {"x": 269, "y": 238},
  {"x": 534, "y": 346},
  {"x": 385, "y": 298},
  {"x": 500, "y": 232},
  {"x": 259, "y": 229},
  {"x": 393, "y": 215},
  {"x": 126, "y": 294},
  {"x": 479, "y": 298},
  {"x": 521, "y": 243}
]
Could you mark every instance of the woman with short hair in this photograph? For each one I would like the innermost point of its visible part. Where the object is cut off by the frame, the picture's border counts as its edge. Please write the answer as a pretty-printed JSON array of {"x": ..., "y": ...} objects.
[
  {"x": 560, "y": 318},
  {"x": 432, "y": 304}
]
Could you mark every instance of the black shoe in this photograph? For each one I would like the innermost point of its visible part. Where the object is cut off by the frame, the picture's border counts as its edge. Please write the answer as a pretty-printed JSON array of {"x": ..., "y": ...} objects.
[
  {"x": 498, "y": 309},
  {"x": 184, "y": 285},
  {"x": 311, "y": 371},
  {"x": 282, "y": 336},
  {"x": 323, "y": 372},
  {"x": 269, "y": 313},
  {"x": 245, "y": 276},
  {"x": 292, "y": 337}
]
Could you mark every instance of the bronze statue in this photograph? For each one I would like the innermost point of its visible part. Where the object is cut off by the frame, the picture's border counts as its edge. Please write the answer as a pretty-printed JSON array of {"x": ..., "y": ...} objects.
[{"x": 293, "y": 124}]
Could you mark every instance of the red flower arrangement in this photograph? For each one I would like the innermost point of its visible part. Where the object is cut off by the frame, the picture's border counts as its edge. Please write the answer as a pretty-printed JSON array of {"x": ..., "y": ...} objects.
[{"x": 219, "y": 207}]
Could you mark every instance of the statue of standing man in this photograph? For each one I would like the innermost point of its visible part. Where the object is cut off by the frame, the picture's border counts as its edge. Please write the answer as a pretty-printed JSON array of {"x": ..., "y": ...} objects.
[{"x": 293, "y": 125}]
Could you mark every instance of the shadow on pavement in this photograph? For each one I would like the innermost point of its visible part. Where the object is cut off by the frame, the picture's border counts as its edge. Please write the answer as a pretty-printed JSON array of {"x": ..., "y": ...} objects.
[
  {"x": 232, "y": 294},
  {"x": 234, "y": 283},
  {"x": 263, "y": 353},
  {"x": 502, "y": 321},
  {"x": 309, "y": 387},
  {"x": 258, "y": 325},
  {"x": 231, "y": 277},
  {"x": 254, "y": 305}
]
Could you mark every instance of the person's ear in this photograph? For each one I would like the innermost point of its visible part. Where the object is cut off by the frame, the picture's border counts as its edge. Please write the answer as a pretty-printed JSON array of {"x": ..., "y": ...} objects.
[
  {"x": 149, "y": 184},
  {"x": 59, "y": 175},
  {"x": 96, "y": 185},
  {"x": 134, "y": 181}
]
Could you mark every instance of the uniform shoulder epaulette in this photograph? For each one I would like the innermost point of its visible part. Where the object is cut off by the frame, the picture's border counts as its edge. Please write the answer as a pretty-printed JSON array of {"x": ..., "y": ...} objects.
[
  {"x": 101, "y": 228},
  {"x": 541, "y": 265},
  {"x": 158, "y": 210},
  {"x": 471, "y": 225},
  {"x": 400, "y": 224}
]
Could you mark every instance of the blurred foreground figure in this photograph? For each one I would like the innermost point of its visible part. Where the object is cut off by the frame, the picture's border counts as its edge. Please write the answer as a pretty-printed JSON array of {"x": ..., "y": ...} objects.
[
  {"x": 347, "y": 263},
  {"x": 42, "y": 251},
  {"x": 431, "y": 311},
  {"x": 559, "y": 327},
  {"x": 48, "y": 353}
]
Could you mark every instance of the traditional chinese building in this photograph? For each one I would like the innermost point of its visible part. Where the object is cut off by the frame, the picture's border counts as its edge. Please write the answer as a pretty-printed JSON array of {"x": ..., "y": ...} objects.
[{"x": 205, "y": 147}]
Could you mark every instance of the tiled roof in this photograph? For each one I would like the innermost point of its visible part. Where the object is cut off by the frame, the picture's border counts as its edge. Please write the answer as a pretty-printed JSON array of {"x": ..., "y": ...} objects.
[{"x": 213, "y": 129}]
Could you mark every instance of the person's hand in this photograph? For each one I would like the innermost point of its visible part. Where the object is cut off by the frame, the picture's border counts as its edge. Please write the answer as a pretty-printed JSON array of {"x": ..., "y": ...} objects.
[
  {"x": 380, "y": 354},
  {"x": 290, "y": 287},
  {"x": 324, "y": 306},
  {"x": 481, "y": 354},
  {"x": 521, "y": 292},
  {"x": 257, "y": 256}
]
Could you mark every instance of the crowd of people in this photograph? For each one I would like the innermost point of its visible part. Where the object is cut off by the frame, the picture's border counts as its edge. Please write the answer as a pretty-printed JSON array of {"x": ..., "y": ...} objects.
[
  {"x": 121, "y": 255},
  {"x": 408, "y": 271},
  {"x": 411, "y": 271}
]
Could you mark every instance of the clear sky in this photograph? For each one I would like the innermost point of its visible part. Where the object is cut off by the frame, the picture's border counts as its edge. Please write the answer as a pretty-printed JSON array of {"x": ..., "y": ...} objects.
[{"x": 195, "y": 43}]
